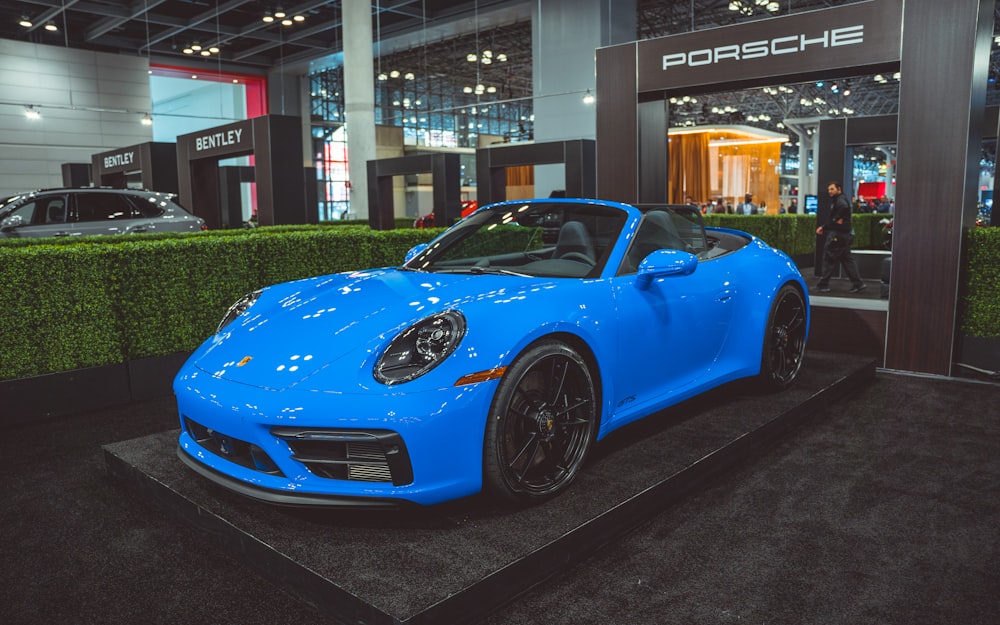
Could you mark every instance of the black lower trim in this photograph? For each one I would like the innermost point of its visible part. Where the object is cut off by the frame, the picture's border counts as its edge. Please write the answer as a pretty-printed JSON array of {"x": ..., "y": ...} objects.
[{"x": 290, "y": 499}]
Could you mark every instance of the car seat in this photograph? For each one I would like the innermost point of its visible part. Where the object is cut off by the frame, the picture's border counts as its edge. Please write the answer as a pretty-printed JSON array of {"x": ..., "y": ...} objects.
[
  {"x": 574, "y": 238},
  {"x": 56, "y": 212}
]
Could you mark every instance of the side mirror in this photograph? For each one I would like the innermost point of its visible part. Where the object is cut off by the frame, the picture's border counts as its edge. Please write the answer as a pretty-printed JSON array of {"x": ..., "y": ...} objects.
[
  {"x": 11, "y": 223},
  {"x": 416, "y": 249},
  {"x": 664, "y": 264}
]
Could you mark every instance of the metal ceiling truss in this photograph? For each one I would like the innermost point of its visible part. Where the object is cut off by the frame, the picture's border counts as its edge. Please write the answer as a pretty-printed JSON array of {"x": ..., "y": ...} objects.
[{"x": 163, "y": 28}]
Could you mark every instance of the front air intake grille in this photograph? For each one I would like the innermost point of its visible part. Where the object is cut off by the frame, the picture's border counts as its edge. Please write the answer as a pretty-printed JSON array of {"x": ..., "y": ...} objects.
[
  {"x": 359, "y": 455},
  {"x": 232, "y": 449}
]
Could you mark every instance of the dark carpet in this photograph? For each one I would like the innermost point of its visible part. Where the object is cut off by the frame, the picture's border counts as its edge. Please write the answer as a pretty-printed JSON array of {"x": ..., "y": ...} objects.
[{"x": 884, "y": 509}]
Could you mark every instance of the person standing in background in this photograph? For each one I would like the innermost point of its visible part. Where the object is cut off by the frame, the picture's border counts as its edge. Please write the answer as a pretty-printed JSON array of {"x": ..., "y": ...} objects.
[{"x": 839, "y": 236}]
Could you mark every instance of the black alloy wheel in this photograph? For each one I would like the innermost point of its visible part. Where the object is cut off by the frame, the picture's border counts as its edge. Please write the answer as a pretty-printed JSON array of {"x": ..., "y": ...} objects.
[
  {"x": 541, "y": 425},
  {"x": 784, "y": 339}
]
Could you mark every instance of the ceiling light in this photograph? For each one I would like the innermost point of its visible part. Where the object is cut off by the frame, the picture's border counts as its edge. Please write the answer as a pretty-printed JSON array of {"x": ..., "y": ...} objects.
[
  {"x": 279, "y": 14},
  {"x": 383, "y": 76},
  {"x": 409, "y": 76},
  {"x": 286, "y": 22},
  {"x": 51, "y": 27},
  {"x": 268, "y": 18},
  {"x": 25, "y": 23},
  {"x": 188, "y": 51},
  {"x": 196, "y": 47},
  {"x": 502, "y": 57},
  {"x": 488, "y": 54},
  {"x": 299, "y": 18},
  {"x": 205, "y": 53},
  {"x": 147, "y": 120},
  {"x": 491, "y": 89},
  {"x": 588, "y": 98},
  {"x": 471, "y": 58},
  {"x": 735, "y": 5},
  {"x": 467, "y": 89},
  {"x": 214, "y": 49},
  {"x": 394, "y": 73},
  {"x": 31, "y": 113}
]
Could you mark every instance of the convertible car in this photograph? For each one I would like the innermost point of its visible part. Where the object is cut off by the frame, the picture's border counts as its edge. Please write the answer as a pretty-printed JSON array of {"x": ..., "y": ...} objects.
[{"x": 492, "y": 359}]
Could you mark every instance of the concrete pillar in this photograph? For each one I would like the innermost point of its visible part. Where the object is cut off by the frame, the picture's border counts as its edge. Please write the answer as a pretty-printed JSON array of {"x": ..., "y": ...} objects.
[
  {"x": 359, "y": 100},
  {"x": 565, "y": 35}
]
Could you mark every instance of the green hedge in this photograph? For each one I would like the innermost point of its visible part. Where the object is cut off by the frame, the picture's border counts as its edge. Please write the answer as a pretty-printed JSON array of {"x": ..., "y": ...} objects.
[
  {"x": 981, "y": 284},
  {"x": 793, "y": 234},
  {"x": 68, "y": 304},
  {"x": 104, "y": 300}
]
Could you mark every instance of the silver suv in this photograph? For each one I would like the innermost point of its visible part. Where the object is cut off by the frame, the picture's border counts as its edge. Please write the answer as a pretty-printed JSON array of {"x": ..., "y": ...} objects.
[{"x": 75, "y": 212}]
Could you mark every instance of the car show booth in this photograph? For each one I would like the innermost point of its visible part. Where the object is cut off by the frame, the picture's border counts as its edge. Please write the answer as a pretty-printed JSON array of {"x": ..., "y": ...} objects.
[
  {"x": 274, "y": 141},
  {"x": 636, "y": 80},
  {"x": 153, "y": 165}
]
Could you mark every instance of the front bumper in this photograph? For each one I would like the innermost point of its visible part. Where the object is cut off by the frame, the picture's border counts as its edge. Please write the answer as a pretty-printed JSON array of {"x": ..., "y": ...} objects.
[{"x": 288, "y": 447}]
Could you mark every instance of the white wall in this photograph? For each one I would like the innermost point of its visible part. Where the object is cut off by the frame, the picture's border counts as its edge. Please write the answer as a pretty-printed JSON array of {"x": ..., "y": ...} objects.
[{"x": 79, "y": 94}]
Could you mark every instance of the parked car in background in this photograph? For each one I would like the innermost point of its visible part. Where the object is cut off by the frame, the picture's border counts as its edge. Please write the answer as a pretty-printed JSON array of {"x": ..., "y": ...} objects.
[{"x": 77, "y": 212}]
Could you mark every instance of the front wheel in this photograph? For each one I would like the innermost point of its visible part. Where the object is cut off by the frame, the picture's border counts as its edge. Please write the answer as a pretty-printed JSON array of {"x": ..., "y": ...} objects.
[
  {"x": 541, "y": 425},
  {"x": 784, "y": 339}
]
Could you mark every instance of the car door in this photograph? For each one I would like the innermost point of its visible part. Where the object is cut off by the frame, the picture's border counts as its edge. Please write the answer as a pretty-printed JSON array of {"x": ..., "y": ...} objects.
[
  {"x": 103, "y": 213},
  {"x": 42, "y": 216},
  {"x": 671, "y": 330}
]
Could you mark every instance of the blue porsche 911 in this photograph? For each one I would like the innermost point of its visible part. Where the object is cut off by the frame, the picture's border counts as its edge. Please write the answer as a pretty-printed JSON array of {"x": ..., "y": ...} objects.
[{"x": 492, "y": 360}]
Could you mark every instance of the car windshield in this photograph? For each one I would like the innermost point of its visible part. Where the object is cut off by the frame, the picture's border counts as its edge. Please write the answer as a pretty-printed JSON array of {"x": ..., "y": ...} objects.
[{"x": 535, "y": 238}]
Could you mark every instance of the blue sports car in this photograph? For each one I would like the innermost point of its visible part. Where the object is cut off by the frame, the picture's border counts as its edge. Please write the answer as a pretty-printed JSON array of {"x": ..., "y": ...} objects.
[{"x": 493, "y": 359}]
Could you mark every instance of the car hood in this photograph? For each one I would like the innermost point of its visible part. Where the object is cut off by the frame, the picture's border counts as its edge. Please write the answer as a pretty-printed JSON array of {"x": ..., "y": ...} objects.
[{"x": 298, "y": 329}]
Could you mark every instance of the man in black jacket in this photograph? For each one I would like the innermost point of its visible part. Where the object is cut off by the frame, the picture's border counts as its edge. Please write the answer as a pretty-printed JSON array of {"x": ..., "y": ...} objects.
[{"x": 839, "y": 235}]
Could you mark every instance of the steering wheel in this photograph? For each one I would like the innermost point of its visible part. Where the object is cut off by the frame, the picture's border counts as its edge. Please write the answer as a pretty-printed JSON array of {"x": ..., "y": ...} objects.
[{"x": 579, "y": 257}]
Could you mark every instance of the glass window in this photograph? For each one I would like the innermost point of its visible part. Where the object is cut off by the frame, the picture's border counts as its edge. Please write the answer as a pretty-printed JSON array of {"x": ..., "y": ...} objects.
[{"x": 103, "y": 207}]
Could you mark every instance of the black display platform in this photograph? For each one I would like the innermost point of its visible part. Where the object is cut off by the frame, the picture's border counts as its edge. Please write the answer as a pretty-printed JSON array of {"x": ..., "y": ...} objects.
[{"x": 458, "y": 562}]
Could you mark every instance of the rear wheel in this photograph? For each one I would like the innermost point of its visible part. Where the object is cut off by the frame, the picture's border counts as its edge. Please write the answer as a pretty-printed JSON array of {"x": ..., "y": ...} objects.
[
  {"x": 784, "y": 339},
  {"x": 541, "y": 424}
]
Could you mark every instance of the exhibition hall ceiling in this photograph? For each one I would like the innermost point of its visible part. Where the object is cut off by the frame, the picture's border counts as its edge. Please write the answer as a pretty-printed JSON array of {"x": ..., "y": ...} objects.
[{"x": 232, "y": 35}]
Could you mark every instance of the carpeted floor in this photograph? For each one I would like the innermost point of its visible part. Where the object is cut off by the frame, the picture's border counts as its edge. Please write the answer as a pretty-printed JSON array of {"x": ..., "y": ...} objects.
[{"x": 884, "y": 510}]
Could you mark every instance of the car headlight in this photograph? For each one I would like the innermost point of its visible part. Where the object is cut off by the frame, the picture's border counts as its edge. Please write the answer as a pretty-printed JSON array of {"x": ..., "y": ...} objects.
[
  {"x": 420, "y": 348},
  {"x": 242, "y": 305}
]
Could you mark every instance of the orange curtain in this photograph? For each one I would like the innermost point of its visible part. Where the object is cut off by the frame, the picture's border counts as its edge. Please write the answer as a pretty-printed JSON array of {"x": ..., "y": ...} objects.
[
  {"x": 520, "y": 176},
  {"x": 689, "y": 168}
]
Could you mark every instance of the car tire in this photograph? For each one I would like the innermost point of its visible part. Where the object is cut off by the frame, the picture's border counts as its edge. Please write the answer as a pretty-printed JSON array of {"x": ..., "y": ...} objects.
[
  {"x": 784, "y": 339},
  {"x": 541, "y": 425}
]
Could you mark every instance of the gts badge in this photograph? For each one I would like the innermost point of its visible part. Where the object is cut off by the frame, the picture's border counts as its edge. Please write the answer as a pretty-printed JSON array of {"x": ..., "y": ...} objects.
[{"x": 628, "y": 400}]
